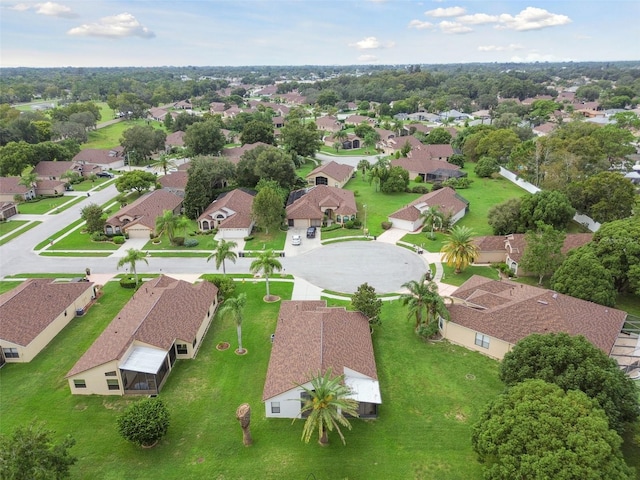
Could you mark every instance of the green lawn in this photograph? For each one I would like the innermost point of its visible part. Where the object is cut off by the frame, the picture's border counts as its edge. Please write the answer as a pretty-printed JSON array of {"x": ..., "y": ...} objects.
[
  {"x": 458, "y": 279},
  {"x": 109, "y": 137},
  {"x": 11, "y": 225},
  {"x": 341, "y": 232},
  {"x": 87, "y": 185},
  {"x": 354, "y": 152},
  {"x": 424, "y": 240},
  {"x": 305, "y": 169},
  {"x": 262, "y": 241},
  {"x": 77, "y": 240},
  {"x": 6, "y": 286},
  {"x": 44, "y": 205},
  {"x": 15, "y": 234}
]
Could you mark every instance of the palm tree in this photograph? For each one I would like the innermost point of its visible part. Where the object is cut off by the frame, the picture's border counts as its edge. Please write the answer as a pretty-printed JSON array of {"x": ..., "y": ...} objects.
[
  {"x": 28, "y": 180},
  {"x": 131, "y": 258},
  {"x": 370, "y": 140},
  {"x": 340, "y": 135},
  {"x": 234, "y": 307},
  {"x": 165, "y": 163},
  {"x": 424, "y": 301},
  {"x": 363, "y": 165},
  {"x": 266, "y": 263},
  {"x": 432, "y": 216},
  {"x": 327, "y": 403},
  {"x": 168, "y": 223},
  {"x": 460, "y": 251},
  {"x": 224, "y": 251}
]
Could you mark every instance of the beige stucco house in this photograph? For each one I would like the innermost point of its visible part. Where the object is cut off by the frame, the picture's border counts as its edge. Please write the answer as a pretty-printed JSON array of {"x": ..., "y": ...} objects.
[
  {"x": 309, "y": 206},
  {"x": 34, "y": 312},
  {"x": 138, "y": 219},
  {"x": 164, "y": 321},
  {"x": 230, "y": 213},
  {"x": 491, "y": 316},
  {"x": 311, "y": 338},
  {"x": 333, "y": 174},
  {"x": 445, "y": 199},
  {"x": 10, "y": 188}
]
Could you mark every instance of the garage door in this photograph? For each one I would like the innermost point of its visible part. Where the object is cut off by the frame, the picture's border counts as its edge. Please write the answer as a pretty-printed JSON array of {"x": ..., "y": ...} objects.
[{"x": 138, "y": 232}]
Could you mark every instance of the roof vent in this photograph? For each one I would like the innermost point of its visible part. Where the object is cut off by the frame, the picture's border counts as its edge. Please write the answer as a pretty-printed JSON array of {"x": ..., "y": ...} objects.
[{"x": 542, "y": 302}]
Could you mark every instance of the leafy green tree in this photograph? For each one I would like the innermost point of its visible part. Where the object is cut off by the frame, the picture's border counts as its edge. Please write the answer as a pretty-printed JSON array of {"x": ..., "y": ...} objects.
[
  {"x": 137, "y": 180},
  {"x": 543, "y": 254},
  {"x": 574, "y": 363},
  {"x": 432, "y": 217},
  {"x": 341, "y": 135},
  {"x": 628, "y": 120},
  {"x": 459, "y": 250},
  {"x": 582, "y": 275},
  {"x": 504, "y": 218},
  {"x": 223, "y": 251},
  {"x": 234, "y": 308},
  {"x": 616, "y": 143},
  {"x": 605, "y": 197},
  {"x": 363, "y": 166},
  {"x": 144, "y": 422},
  {"x": 370, "y": 140},
  {"x": 327, "y": 97},
  {"x": 266, "y": 162},
  {"x": 132, "y": 257},
  {"x": 486, "y": 167},
  {"x": 204, "y": 138},
  {"x": 327, "y": 403},
  {"x": 266, "y": 263},
  {"x": 93, "y": 215},
  {"x": 141, "y": 141},
  {"x": 30, "y": 453},
  {"x": 366, "y": 301},
  {"x": 268, "y": 209},
  {"x": 257, "y": 131},
  {"x": 549, "y": 207},
  {"x": 617, "y": 248},
  {"x": 424, "y": 302},
  {"x": 438, "y": 136},
  {"x": 207, "y": 177},
  {"x": 397, "y": 180},
  {"x": 498, "y": 144},
  {"x": 301, "y": 138},
  {"x": 536, "y": 430}
]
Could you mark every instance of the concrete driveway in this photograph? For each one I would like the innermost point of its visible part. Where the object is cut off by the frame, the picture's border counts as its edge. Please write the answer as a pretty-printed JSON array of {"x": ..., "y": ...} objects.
[{"x": 307, "y": 244}]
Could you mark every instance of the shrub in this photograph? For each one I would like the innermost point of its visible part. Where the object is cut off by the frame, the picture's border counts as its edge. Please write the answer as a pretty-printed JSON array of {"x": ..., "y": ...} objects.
[
  {"x": 330, "y": 228},
  {"x": 178, "y": 241},
  {"x": 128, "y": 281},
  {"x": 145, "y": 422},
  {"x": 386, "y": 225},
  {"x": 99, "y": 237},
  {"x": 191, "y": 242},
  {"x": 436, "y": 186},
  {"x": 418, "y": 179},
  {"x": 427, "y": 331},
  {"x": 357, "y": 223},
  {"x": 349, "y": 224},
  {"x": 457, "y": 159},
  {"x": 249, "y": 238},
  {"x": 226, "y": 286},
  {"x": 118, "y": 239},
  {"x": 421, "y": 189},
  {"x": 486, "y": 167}
]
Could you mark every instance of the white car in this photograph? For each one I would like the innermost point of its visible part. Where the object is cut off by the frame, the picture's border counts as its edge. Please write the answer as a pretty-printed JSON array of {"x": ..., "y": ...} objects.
[{"x": 296, "y": 240}]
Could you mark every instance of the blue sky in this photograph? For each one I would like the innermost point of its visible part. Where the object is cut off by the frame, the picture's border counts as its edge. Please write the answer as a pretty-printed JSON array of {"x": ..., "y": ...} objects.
[{"x": 93, "y": 33}]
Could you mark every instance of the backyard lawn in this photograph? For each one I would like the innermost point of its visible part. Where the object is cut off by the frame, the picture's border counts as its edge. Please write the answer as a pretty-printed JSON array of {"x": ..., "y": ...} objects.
[
  {"x": 44, "y": 205},
  {"x": 109, "y": 137},
  {"x": 432, "y": 393}
]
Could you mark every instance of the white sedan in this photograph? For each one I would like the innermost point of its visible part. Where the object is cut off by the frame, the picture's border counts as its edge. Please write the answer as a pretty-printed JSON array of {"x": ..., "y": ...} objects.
[{"x": 296, "y": 240}]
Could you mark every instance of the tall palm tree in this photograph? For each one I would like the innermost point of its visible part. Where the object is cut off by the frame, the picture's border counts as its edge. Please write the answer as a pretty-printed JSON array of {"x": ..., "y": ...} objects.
[
  {"x": 164, "y": 163},
  {"x": 341, "y": 135},
  {"x": 267, "y": 263},
  {"x": 169, "y": 223},
  {"x": 28, "y": 180},
  {"x": 223, "y": 251},
  {"x": 432, "y": 216},
  {"x": 363, "y": 165},
  {"x": 425, "y": 304},
  {"x": 327, "y": 403},
  {"x": 460, "y": 251},
  {"x": 234, "y": 307},
  {"x": 132, "y": 257}
]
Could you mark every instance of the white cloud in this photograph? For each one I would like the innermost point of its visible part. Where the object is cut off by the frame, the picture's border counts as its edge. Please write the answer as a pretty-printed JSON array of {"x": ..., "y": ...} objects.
[
  {"x": 20, "y": 7},
  {"x": 532, "y": 18},
  {"x": 117, "y": 26},
  {"x": 477, "y": 19},
  {"x": 54, "y": 10},
  {"x": 371, "y": 43},
  {"x": 367, "y": 58},
  {"x": 445, "y": 12},
  {"x": 534, "y": 56},
  {"x": 499, "y": 48},
  {"x": 420, "y": 25},
  {"x": 454, "y": 27}
]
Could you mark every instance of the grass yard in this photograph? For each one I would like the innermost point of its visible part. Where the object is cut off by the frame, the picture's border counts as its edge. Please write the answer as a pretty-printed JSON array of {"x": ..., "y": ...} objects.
[
  {"x": 305, "y": 169},
  {"x": 262, "y": 241},
  {"x": 109, "y": 137},
  {"x": 5, "y": 286},
  {"x": 457, "y": 279},
  {"x": 354, "y": 152},
  {"x": 87, "y": 185},
  {"x": 424, "y": 240},
  {"x": 341, "y": 232},
  {"x": 15, "y": 234},
  {"x": 432, "y": 394},
  {"x": 11, "y": 225},
  {"x": 43, "y": 205},
  {"x": 77, "y": 240}
]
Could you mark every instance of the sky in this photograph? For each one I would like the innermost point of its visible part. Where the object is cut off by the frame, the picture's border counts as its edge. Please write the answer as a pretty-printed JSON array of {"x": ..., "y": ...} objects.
[{"x": 148, "y": 33}]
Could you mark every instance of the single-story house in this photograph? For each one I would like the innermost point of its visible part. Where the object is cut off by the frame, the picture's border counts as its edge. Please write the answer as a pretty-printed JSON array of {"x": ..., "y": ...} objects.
[
  {"x": 157, "y": 113},
  {"x": 165, "y": 320},
  {"x": 230, "y": 213},
  {"x": 491, "y": 316},
  {"x": 392, "y": 145},
  {"x": 50, "y": 188},
  {"x": 54, "y": 170},
  {"x": 92, "y": 158},
  {"x": 311, "y": 338},
  {"x": 510, "y": 248},
  {"x": 358, "y": 119},
  {"x": 7, "y": 210},
  {"x": 430, "y": 170},
  {"x": 332, "y": 173},
  {"x": 138, "y": 219},
  {"x": 328, "y": 123},
  {"x": 175, "y": 139},
  {"x": 308, "y": 207},
  {"x": 446, "y": 200},
  {"x": 175, "y": 182},
  {"x": 34, "y": 312},
  {"x": 10, "y": 188},
  {"x": 234, "y": 154}
]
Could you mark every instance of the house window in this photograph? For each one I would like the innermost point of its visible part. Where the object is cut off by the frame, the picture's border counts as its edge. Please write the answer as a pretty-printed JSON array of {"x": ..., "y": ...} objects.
[
  {"x": 11, "y": 353},
  {"x": 110, "y": 374},
  {"x": 338, "y": 218},
  {"x": 482, "y": 340},
  {"x": 113, "y": 385},
  {"x": 275, "y": 407},
  {"x": 80, "y": 384},
  {"x": 182, "y": 349},
  {"x": 195, "y": 340},
  {"x": 441, "y": 324}
]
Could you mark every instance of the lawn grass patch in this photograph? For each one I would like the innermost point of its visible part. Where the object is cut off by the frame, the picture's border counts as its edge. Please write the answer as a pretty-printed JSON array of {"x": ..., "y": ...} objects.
[
  {"x": 17, "y": 233},
  {"x": 75, "y": 254},
  {"x": 629, "y": 303},
  {"x": 186, "y": 254},
  {"x": 43, "y": 205},
  {"x": 305, "y": 169},
  {"x": 458, "y": 279},
  {"x": 5, "y": 286},
  {"x": 11, "y": 225},
  {"x": 341, "y": 232},
  {"x": 423, "y": 240},
  {"x": 262, "y": 241},
  {"x": 109, "y": 137},
  {"x": 46, "y": 275},
  {"x": 87, "y": 185},
  {"x": 81, "y": 240}
]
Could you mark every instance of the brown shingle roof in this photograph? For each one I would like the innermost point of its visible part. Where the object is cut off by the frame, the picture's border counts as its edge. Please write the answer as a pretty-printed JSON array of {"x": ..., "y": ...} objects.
[
  {"x": 310, "y": 338},
  {"x": 511, "y": 311},
  {"x": 162, "y": 311},
  {"x": 422, "y": 164},
  {"x": 236, "y": 205},
  {"x": 10, "y": 186},
  {"x": 308, "y": 205},
  {"x": 175, "y": 138},
  {"x": 445, "y": 199},
  {"x": 333, "y": 169},
  {"x": 29, "y": 308},
  {"x": 146, "y": 209},
  {"x": 176, "y": 180},
  {"x": 99, "y": 156},
  {"x": 47, "y": 169},
  {"x": 517, "y": 243}
]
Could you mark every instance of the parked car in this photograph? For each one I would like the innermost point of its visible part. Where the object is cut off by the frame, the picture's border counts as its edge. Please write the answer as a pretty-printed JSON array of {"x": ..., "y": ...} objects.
[
  {"x": 296, "y": 240},
  {"x": 104, "y": 174},
  {"x": 311, "y": 232}
]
